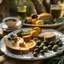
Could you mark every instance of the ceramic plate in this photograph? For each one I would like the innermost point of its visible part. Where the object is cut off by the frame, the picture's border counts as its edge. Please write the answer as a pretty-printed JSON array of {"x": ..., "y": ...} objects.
[
  {"x": 45, "y": 25},
  {"x": 29, "y": 56}
]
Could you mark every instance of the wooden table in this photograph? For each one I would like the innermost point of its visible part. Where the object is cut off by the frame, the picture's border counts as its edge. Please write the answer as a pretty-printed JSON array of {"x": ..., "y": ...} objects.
[{"x": 7, "y": 60}]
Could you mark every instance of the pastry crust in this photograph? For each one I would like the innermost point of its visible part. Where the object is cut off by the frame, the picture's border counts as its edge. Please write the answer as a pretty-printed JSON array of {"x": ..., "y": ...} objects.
[
  {"x": 48, "y": 36},
  {"x": 16, "y": 49},
  {"x": 45, "y": 16}
]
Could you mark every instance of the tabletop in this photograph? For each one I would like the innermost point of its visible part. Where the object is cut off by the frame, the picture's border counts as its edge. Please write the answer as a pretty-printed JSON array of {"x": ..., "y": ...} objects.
[{"x": 7, "y": 60}]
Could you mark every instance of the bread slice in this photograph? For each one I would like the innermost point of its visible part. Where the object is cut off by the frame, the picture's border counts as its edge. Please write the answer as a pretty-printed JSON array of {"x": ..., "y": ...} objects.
[
  {"x": 48, "y": 36},
  {"x": 31, "y": 45},
  {"x": 45, "y": 16},
  {"x": 16, "y": 48}
]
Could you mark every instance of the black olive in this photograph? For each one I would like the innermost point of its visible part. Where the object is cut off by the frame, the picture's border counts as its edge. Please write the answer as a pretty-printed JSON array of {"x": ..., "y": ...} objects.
[
  {"x": 37, "y": 46},
  {"x": 57, "y": 41},
  {"x": 9, "y": 38},
  {"x": 46, "y": 43},
  {"x": 15, "y": 40},
  {"x": 42, "y": 51},
  {"x": 40, "y": 47},
  {"x": 41, "y": 39},
  {"x": 49, "y": 47},
  {"x": 19, "y": 34},
  {"x": 52, "y": 43},
  {"x": 38, "y": 42},
  {"x": 35, "y": 54},
  {"x": 25, "y": 21},
  {"x": 60, "y": 44},
  {"x": 11, "y": 35},
  {"x": 36, "y": 50},
  {"x": 34, "y": 16}
]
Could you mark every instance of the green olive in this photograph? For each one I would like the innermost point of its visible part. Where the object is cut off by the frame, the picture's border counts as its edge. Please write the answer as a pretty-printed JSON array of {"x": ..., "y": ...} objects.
[
  {"x": 42, "y": 44},
  {"x": 55, "y": 47},
  {"x": 35, "y": 39},
  {"x": 45, "y": 48}
]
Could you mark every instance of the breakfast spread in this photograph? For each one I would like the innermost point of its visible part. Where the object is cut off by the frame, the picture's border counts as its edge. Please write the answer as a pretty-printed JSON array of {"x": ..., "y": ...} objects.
[
  {"x": 35, "y": 41},
  {"x": 42, "y": 19}
]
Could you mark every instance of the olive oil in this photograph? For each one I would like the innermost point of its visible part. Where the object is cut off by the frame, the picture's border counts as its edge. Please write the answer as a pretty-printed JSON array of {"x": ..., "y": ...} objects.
[
  {"x": 22, "y": 12},
  {"x": 21, "y": 15}
]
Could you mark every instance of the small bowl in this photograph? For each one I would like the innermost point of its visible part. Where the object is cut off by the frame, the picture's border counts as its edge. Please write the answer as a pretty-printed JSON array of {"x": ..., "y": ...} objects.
[{"x": 10, "y": 21}]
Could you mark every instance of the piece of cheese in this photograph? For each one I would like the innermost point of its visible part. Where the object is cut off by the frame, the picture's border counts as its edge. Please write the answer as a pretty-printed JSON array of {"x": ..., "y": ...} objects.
[{"x": 1, "y": 33}]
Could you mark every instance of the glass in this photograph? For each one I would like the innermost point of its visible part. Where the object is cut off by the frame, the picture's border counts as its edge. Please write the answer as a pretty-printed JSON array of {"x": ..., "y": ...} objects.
[
  {"x": 22, "y": 12},
  {"x": 62, "y": 13},
  {"x": 55, "y": 11}
]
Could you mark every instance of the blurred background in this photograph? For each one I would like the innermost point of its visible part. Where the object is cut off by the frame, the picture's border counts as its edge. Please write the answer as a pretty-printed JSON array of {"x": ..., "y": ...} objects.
[{"x": 9, "y": 7}]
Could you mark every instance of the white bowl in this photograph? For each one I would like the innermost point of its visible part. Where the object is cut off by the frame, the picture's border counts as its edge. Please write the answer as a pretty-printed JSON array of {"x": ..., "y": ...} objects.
[{"x": 10, "y": 21}]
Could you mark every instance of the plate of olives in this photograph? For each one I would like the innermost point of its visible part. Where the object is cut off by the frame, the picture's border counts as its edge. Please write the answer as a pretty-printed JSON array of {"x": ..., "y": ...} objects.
[{"x": 43, "y": 50}]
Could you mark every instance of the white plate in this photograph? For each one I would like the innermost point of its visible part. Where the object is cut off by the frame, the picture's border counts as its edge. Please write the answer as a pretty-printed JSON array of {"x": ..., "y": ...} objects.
[{"x": 29, "y": 56}]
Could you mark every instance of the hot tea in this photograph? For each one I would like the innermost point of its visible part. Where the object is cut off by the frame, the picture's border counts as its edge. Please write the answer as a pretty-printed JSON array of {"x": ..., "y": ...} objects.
[{"x": 55, "y": 11}]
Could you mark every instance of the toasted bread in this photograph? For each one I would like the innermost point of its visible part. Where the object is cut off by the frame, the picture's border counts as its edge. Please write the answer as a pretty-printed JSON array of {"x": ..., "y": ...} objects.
[
  {"x": 24, "y": 48},
  {"x": 48, "y": 36}
]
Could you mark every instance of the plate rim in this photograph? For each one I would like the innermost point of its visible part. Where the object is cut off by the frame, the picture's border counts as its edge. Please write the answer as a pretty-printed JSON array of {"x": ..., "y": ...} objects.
[{"x": 45, "y": 25}]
